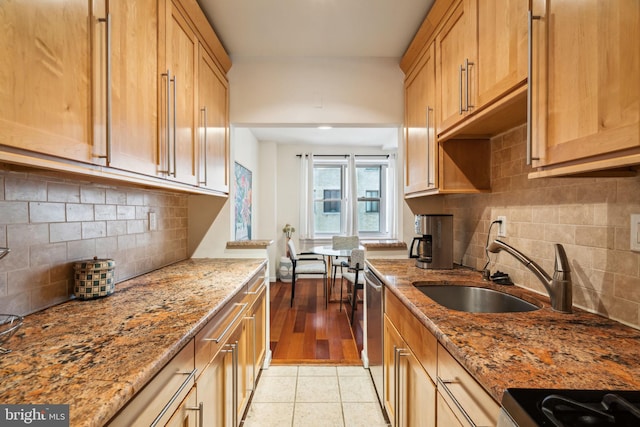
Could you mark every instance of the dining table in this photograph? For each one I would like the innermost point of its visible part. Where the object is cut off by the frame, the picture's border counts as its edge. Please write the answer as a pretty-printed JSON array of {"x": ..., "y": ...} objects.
[{"x": 331, "y": 253}]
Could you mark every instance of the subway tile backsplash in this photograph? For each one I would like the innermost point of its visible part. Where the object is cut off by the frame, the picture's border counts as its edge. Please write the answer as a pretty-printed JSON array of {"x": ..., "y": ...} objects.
[
  {"x": 589, "y": 216},
  {"x": 51, "y": 222}
]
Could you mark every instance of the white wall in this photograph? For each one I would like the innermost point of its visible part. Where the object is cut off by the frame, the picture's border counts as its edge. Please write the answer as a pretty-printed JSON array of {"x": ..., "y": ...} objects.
[
  {"x": 316, "y": 90},
  {"x": 340, "y": 91},
  {"x": 244, "y": 150}
]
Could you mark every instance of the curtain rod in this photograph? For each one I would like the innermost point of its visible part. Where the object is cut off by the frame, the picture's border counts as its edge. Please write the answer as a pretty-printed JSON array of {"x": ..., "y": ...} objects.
[{"x": 345, "y": 155}]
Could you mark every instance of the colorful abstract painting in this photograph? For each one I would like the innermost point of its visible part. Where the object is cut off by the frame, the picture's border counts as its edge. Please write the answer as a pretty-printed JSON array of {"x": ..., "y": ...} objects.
[{"x": 243, "y": 202}]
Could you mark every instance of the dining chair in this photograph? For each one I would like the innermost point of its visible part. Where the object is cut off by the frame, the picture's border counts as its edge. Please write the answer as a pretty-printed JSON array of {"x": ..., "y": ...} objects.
[
  {"x": 354, "y": 276},
  {"x": 341, "y": 242},
  {"x": 306, "y": 263}
]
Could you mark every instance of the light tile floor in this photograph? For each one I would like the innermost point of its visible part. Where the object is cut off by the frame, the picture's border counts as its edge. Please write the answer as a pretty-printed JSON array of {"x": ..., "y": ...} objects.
[{"x": 315, "y": 396}]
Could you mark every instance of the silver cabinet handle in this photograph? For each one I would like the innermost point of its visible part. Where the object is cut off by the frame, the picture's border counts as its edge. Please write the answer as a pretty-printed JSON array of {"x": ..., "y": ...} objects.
[
  {"x": 200, "y": 409},
  {"x": 443, "y": 384},
  {"x": 167, "y": 142},
  {"x": 235, "y": 369},
  {"x": 175, "y": 396},
  {"x": 398, "y": 352},
  {"x": 175, "y": 140},
  {"x": 529, "y": 89},
  {"x": 466, "y": 69},
  {"x": 460, "y": 110},
  {"x": 255, "y": 344},
  {"x": 204, "y": 144},
  {"x": 430, "y": 167},
  {"x": 237, "y": 316},
  {"x": 107, "y": 21}
]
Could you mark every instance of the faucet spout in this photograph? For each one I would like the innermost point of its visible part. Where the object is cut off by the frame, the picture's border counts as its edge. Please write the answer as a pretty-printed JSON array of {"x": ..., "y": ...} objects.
[{"x": 558, "y": 287}]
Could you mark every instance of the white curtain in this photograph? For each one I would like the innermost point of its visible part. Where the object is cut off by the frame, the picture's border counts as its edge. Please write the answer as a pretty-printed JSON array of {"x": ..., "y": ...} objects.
[
  {"x": 392, "y": 213},
  {"x": 306, "y": 196},
  {"x": 352, "y": 197}
]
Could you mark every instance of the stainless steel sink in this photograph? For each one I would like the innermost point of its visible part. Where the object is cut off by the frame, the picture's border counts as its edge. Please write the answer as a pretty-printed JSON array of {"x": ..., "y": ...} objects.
[{"x": 473, "y": 299}]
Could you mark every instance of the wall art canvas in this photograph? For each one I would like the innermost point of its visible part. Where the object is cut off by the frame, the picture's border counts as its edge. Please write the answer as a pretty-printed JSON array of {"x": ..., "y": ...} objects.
[{"x": 243, "y": 203}]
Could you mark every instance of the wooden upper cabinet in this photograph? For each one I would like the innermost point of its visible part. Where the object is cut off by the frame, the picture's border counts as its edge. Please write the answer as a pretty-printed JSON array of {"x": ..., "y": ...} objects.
[
  {"x": 420, "y": 140},
  {"x": 45, "y": 95},
  {"x": 585, "y": 85},
  {"x": 178, "y": 101},
  {"x": 502, "y": 48},
  {"x": 213, "y": 125},
  {"x": 456, "y": 65},
  {"x": 134, "y": 86}
]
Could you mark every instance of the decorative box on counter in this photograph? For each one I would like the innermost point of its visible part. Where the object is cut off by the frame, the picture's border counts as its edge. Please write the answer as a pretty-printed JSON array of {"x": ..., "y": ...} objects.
[{"x": 94, "y": 278}]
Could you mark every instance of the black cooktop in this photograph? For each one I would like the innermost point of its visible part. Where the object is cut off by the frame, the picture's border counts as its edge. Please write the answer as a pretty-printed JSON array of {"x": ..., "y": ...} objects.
[{"x": 572, "y": 408}]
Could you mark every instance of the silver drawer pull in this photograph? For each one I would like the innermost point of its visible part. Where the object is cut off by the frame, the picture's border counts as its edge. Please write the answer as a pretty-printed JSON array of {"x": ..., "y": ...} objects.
[
  {"x": 186, "y": 382},
  {"x": 223, "y": 333},
  {"x": 443, "y": 384}
]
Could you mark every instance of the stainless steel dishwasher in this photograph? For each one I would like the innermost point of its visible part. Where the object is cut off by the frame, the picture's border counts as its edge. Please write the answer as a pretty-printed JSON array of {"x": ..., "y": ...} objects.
[{"x": 374, "y": 297}]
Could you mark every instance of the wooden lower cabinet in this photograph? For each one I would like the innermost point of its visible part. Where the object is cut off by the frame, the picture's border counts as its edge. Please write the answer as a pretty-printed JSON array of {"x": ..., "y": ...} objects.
[
  {"x": 220, "y": 387},
  {"x": 409, "y": 393},
  {"x": 229, "y": 353},
  {"x": 256, "y": 322},
  {"x": 423, "y": 384}
]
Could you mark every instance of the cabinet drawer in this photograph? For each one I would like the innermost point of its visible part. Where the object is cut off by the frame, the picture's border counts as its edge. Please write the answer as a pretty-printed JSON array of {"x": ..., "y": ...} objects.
[
  {"x": 214, "y": 335},
  {"x": 256, "y": 285},
  {"x": 454, "y": 382},
  {"x": 163, "y": 394},
  {"x": 422, "y": 343}
]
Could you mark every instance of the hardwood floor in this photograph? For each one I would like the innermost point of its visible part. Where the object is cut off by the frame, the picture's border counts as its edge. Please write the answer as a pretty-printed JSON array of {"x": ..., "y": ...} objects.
[{"x": 307, "y": 333}]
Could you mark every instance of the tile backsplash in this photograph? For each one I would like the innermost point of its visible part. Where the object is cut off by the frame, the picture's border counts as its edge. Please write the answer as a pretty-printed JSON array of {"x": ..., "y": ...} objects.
[
  {"x": 590, "y": 217},
  {"x": 50, "y": 222}
]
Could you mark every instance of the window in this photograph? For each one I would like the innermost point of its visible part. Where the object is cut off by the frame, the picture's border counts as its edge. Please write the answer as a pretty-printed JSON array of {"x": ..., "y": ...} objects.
[
  {"x": 351, "y": 195},
  {"x": 332, "y": 201},
  {"x": 372, "y": 201}
]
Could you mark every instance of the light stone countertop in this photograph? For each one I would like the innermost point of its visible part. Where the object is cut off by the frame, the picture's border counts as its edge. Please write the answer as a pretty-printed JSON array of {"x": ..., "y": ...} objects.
[
  {"x": 95, "y": 355},
  {"x": 538, "y": 349}
]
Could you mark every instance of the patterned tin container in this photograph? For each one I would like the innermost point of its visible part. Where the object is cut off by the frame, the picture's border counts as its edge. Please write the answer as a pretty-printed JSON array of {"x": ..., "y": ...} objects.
[{"x": 94, "y": 278}]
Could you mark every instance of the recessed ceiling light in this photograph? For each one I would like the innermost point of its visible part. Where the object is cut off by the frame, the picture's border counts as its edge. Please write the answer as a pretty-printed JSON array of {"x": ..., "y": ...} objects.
[{"x": 325, "y": 127}]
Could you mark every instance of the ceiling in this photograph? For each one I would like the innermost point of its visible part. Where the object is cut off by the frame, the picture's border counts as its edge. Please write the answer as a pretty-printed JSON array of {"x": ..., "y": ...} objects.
[{"x": 317, "y": 28}]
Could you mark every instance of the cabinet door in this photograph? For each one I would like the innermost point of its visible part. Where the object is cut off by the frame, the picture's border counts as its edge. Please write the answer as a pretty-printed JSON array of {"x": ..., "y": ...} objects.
[
  {"x": 392, "y": 344},
  {"x": 585, "y": 85},
  {"x": 215, "y": 392},
  {"x": 187, "y": 414},
  {"x": 45, "y": 95},
  {"x": 418, "y": 394},
  {"x": 213, "y": 161},
  {"x": 134, "y": 86},
  {"x": 456, "y": 65},
  {"x": 256, "y": 338},
  {"x": 420, "y": 154},
  {"x": 221, "y": 385},
  {"x": 502, "y": 47},
  {"x": 178, "y": 99},
  {"x": 410, "y": 395}
]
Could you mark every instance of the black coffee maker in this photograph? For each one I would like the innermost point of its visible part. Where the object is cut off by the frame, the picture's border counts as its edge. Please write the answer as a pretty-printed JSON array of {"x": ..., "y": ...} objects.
[{"x": 434, "y": 249}]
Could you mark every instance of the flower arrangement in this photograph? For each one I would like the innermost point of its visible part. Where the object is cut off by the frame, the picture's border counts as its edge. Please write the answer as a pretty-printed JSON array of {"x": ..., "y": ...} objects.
[{"x": 288, "y": 230}]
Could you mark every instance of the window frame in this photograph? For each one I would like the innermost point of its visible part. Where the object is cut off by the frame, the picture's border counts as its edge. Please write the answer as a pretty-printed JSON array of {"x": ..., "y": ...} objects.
[{"x": 383, "y": 201}]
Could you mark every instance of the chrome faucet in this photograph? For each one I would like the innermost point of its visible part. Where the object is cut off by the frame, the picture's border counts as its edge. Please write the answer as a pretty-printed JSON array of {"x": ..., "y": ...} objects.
[{"x": 558, "y": 287}]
